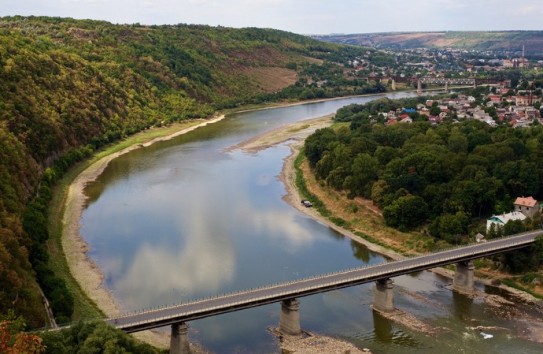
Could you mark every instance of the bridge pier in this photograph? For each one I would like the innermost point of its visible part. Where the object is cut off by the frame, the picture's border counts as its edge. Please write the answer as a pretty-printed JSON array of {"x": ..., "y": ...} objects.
[
  {"x": 419, "y": 88},
  {"x": 179, "y": 342},
  {"x": 463, "y": 277},
  {"x": 289, "y": 319},
  {"x": 384, "y": 295}
]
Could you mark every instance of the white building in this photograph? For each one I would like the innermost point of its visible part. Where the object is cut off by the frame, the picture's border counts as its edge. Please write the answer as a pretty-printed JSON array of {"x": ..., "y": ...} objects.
[{"x": 500, "y": 220}]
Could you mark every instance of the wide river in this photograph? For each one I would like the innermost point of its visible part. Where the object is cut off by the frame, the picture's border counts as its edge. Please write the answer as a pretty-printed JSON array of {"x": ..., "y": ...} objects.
[{"x": 190, "y": 218}]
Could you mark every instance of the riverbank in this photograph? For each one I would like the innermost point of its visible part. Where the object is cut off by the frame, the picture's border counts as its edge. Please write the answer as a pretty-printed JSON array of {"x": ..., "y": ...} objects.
[
  {"x": 295, "y": 135},
  {"x": 82, "y": 268},
  {"x": 290, "y": 131},
  {"x": 68, "y": 250}
]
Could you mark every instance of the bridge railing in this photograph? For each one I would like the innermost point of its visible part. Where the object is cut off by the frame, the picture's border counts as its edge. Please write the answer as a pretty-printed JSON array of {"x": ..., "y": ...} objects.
[{"x": 490, "y": 246}]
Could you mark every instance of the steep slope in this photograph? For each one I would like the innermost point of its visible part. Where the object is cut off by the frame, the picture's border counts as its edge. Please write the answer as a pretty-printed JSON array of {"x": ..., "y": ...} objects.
[{"x": 67, "y": 87}]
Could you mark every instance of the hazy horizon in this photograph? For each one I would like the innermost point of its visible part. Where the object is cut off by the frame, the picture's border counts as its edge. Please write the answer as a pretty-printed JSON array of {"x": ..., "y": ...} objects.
[{"x": 300, "y": 16}]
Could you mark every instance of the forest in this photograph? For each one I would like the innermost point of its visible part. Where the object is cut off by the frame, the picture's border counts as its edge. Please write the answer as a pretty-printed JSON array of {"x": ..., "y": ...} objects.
[
  {"x": 443, "y": 179},
  {"x": 70, "y": 87}
]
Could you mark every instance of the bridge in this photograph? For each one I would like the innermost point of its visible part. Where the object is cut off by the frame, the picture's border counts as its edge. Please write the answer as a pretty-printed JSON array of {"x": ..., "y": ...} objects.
[
  {"x": 445, "y": 81},
  {"x": 288, "y": 292}
]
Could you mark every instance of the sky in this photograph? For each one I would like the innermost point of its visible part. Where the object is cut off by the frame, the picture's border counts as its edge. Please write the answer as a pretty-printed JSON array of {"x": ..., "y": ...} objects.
[{"x": 300, "y": 16}]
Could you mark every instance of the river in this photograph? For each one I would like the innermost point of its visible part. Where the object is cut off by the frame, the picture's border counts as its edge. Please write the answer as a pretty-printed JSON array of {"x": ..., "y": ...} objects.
[{"x": 191, "y": 217}]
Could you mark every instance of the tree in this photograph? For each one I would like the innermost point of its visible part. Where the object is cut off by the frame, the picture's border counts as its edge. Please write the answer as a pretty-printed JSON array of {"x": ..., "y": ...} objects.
[
  {"x": 317, "y": 143},
  {"x": 406, "y": 212},
  {"x": 450, "y": 227},
  {"x": 12, "y": 342},
  {"x": 525, "y": 259},
  {"x": 93, "y": 337},
  {"x": 364, "y": 172},
  {"x": 435, "y": 110},
  {"x": 379, "y": 190},
  {"x": 458, "y": 142}
]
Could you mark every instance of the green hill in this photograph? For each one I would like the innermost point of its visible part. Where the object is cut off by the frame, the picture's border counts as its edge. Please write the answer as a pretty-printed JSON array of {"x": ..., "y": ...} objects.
[
  {"x": 499, "y": 41},
  {"x": 68, "y": 87}
]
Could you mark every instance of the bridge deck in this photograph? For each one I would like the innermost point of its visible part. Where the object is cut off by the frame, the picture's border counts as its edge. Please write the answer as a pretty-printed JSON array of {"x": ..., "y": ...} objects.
[{"x": 274, "y": 293}]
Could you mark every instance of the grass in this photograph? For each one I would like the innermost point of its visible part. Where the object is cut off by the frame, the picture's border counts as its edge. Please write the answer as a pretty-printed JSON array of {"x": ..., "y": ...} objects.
[
  {"x": 515, "y": 285},
  {"x": 356, "y": 218},
  {"x": 349, "y": 214},
  {"x": 297, "y": 129},
  {"x": 319, "y": 205}
]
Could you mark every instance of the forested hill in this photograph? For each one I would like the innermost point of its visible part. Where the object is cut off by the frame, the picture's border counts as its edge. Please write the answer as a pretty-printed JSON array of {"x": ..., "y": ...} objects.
[
  {"x": 68, "y": 87},
  {"x": 499, "y": 41}
]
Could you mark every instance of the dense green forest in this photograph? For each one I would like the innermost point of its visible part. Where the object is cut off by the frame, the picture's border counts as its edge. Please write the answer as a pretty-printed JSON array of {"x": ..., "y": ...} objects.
[
  {"x": 69, "y": 87},
  {"x": 444, "y": 179}
]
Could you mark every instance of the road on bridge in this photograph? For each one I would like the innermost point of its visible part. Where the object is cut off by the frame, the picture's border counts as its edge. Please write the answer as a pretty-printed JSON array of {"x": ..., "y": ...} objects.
[{"x": 198, "y": 309}]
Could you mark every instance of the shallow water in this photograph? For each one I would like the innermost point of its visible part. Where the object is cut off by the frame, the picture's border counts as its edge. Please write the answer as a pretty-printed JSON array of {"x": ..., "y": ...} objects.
[{"x": 190, "y": 217}]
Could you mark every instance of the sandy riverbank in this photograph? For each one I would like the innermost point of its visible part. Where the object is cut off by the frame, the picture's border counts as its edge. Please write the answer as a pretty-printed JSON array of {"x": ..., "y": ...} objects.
[
  {"x": 89, "y": 275},
  {"x": 295, "y": 135},
  {"x": 84, "y": 270}
]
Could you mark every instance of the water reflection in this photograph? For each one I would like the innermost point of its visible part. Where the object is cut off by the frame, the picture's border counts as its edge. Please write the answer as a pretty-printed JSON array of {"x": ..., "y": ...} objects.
[
  {"x": 184, "y": 219},
  {"x": 382, "y": 328},
  {"x": 360, "y": 252},
  {"x": 171, "y": 233},
  {"x": 204, "y": 263},
  {"x": 462, "y": 306},
  {"x": 386, "y": 333}
]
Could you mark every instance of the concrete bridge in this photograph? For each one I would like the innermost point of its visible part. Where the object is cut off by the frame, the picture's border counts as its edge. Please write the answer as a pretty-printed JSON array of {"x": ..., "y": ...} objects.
[{"x": 288, "y": 293}]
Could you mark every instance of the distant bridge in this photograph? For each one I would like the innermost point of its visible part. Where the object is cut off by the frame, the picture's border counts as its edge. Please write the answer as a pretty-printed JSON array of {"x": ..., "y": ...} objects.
[
  {"x": 447, "y": 81},
  {"x": 287, "y": 292},
  {"x": 433, "y": 80}
]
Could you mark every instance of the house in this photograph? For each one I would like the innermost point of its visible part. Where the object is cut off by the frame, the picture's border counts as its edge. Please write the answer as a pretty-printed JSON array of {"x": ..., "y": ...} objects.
[
  {"x": 391, "y": 121},
  {"x": 527, "y": 206},
  {"x": 500, "y": 220},
  {"x": 524, "y": 100},
  {"x": 495, "y": 98}
]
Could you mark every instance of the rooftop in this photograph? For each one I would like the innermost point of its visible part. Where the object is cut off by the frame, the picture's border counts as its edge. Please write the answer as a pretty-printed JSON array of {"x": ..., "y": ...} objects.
[{"x": 527, "y": 202}]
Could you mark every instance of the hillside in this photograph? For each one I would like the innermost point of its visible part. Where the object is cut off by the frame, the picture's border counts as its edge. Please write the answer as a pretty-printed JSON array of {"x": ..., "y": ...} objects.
[
  {"x": 69, "y": 87},
  {"x": 505, "y": 41}
]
